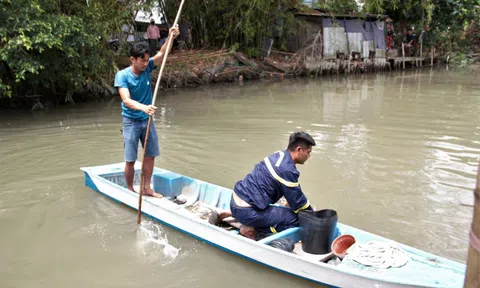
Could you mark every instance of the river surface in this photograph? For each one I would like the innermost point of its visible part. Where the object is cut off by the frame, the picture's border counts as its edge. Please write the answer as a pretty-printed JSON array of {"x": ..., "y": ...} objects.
[{"x": 396, "y": 154}]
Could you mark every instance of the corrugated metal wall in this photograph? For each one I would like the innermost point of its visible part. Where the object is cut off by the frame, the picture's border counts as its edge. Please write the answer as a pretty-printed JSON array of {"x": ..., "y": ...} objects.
[
  {"x": 353, "y": 35},
  {"x": 355, "y": 42},
  {"x": 334, "y": 37},
  {"x": 339, "y": 34}
]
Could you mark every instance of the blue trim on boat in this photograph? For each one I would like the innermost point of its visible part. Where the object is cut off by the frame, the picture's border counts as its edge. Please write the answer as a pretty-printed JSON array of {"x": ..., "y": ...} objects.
[
  {"x": 89, "y": 183},
  {"x": 206, "y": 241}
]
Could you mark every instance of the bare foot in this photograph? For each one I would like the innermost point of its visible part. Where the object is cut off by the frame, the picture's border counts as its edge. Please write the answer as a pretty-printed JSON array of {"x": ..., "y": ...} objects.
[
  {"x": 224, "y": 214},
  {"x": 150, "y": 192},
  {"x": 247, "y": 231}
]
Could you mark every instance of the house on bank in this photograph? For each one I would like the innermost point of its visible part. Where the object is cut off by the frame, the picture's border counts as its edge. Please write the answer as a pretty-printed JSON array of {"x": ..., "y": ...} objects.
[
  {"x": 340, "y": 35},
  {"x": 357, "y": 38}
]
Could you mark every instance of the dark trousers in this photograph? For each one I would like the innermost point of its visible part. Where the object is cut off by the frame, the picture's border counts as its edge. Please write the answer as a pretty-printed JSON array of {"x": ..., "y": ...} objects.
[
  {"x": 153, "y": 46},
  {"x": 272, "y": 219}
]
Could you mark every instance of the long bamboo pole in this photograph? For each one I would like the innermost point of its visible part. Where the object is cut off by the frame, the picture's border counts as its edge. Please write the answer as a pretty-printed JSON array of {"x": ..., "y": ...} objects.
[
  {"x": 472, "y": 276},
  {"x": 164, "y": 60}
]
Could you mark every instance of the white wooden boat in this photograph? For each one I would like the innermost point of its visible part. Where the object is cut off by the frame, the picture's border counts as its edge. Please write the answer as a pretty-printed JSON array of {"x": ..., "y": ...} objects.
[{"x": 422, "y": 269}]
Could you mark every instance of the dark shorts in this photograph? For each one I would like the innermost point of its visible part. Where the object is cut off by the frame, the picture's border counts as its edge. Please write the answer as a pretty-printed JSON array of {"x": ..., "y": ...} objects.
[
  {"x": 273, "y": 219},
  {"x": 135, "y": 130}
]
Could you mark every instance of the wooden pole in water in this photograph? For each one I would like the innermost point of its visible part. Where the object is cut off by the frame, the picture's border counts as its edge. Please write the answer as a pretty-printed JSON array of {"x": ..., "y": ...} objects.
[
  {"x": 403, "y": 55},
  {"x": 139, "y": 218},
  {"x": 472, "y": 277},
  {"x": 421, "y": 54},
  {"x": 421, "y": 39},
  {"x": 432, "y": 52}
]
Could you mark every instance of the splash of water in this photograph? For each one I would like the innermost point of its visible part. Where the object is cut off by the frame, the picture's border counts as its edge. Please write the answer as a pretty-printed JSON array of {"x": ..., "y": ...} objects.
[{"x": 153, "y": 243}]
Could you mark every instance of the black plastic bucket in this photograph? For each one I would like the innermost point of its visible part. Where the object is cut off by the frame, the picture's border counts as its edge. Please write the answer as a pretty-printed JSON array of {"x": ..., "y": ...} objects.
[{"x": 317, "y": 230}]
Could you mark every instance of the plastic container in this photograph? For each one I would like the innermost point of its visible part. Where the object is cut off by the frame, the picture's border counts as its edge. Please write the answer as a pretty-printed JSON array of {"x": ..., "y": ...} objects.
[
  {"x": 341, "y": 244},
  {"x": 317, "y": 230}
]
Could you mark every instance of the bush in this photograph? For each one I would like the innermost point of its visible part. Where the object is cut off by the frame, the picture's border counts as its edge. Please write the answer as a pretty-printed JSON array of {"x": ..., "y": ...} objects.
[{"x": 53, "y": 49}]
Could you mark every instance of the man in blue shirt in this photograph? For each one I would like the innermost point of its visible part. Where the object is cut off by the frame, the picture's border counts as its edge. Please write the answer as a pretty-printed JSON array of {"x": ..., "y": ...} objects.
[
  {"x": 271, "y": 179},
  {"x": 135, "y": 88}
]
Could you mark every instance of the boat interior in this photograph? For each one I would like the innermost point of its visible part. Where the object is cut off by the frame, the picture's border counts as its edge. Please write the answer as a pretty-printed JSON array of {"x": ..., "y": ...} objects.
[{"x": 203, "y": 199}]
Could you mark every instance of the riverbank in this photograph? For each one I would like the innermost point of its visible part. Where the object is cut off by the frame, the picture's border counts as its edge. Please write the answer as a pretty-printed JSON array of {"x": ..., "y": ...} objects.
[
  {"x": 194, "y": 68},
  {"x": 199, "y": 67}
]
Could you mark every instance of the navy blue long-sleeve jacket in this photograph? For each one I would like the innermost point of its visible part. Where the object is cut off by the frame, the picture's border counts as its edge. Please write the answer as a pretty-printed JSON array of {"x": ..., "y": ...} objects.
[{"x": 270, "y": 179}]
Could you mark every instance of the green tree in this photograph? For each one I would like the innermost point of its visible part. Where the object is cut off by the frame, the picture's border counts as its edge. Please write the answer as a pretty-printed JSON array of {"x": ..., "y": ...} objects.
[
  {"x": 338, "y": 6},
  {"x": 56, "y": 47},
  {"x": 240, "y": 23},
  {"x": 444, "y": 21}
]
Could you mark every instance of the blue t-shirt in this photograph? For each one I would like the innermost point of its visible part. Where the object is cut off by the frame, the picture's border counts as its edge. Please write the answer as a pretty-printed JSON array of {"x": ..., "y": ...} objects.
[{"x": 140, "y": 88}]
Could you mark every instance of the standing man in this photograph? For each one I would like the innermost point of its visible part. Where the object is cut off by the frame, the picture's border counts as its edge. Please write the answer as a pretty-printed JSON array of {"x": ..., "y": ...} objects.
[
  {"x": 153, "y": 34},
  {"x": 185, "y": 28},
  {"x": 389, "y": 36},
  {"x": 134, "y": 85},
  {"x": 270, "y": 180},
  {"x": 163, "y": 32},
  {"x": 411, "y": 42}
]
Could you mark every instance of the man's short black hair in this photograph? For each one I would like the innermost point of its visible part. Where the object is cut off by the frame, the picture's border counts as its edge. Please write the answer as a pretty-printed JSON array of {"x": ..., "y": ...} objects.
[
  {"x": 139, "y": 49},
  {"x": 302, "y": 139}
]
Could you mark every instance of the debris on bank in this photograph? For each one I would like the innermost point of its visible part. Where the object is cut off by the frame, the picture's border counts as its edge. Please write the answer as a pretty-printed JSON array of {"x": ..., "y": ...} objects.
[{"x": 194, "y": 68}]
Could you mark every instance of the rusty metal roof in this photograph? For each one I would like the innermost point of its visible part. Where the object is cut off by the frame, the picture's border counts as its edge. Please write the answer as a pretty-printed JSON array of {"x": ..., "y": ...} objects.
[{"x": 317, "y": 13}]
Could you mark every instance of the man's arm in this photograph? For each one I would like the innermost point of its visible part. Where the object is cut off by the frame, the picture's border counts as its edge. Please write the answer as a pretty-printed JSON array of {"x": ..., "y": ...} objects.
[
  {"x": 135, "y": 105},
  {"x": 158, "y": 58},
  {"x": 296, "y": 199},
  {"x": 293, "y": 193}
]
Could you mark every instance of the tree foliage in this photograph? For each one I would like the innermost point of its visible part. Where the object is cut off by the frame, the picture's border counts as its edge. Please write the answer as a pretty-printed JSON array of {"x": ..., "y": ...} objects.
[
  {"x": 240, "y": 23},
  {"x": 59, "y": 46},
  {"x": 444, "y": 22},
  {"x": 338, "y": 6},
  {"x": 50, "y": 46}
]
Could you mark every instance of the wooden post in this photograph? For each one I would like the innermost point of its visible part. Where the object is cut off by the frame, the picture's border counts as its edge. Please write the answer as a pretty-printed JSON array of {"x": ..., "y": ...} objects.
[
  {"x": 401, "y": 85},
  {"x": 403, "y": 55},
  {"x": 432, "y": 52},
  {"x": 472, "y": 276},
  {"x": 421, "y": 53}
]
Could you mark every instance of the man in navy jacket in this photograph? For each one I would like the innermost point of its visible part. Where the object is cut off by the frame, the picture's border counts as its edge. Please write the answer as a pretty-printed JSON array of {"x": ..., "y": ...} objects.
[{"x": 275, "y": 177}]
